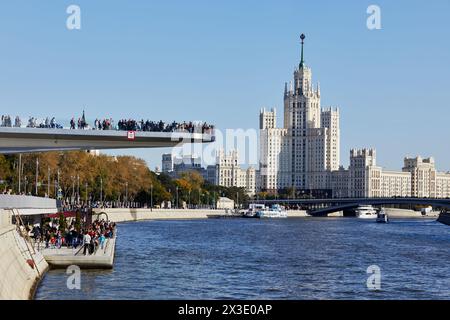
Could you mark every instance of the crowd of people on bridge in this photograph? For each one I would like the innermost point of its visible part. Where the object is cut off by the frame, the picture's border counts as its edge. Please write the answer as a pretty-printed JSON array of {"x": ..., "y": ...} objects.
[{"x": 108, "y": 124}]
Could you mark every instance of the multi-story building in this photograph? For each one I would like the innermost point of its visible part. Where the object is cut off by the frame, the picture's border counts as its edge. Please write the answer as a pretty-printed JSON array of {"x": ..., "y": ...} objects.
[
  {"x": 226, "y": 172},
  {"x": 423, "y": 176},
  {"x": 304, "y": 152},
  {"x": 364, "y": 178},
  {"x": 395, "y": 184},
  {"x": 175, "y": 166},
  {"x": 364, "y": 174},
  {"x": 229, "y": 173},
  {"x": 274, "y": 153},
  {"x": 167, "y": 163},
  {"x": 425, "y": 180}
]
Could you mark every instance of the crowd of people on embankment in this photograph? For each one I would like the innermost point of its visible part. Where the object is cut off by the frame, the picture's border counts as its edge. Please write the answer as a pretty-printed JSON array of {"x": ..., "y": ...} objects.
[
  {"x": 108, "y": 124},
  {"x": 90, "y": 238}
]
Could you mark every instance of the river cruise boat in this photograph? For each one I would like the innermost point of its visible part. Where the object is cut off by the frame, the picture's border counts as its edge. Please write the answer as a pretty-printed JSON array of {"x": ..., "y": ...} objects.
[
  {"x": 276, "y": 211},
  {"x": 253, "y": 208},
  {"x": 366, "y": 212}
]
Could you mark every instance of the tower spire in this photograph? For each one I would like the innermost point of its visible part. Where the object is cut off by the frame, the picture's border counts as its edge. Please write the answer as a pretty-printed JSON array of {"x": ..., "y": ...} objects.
[{"x": 302, "y": 38}]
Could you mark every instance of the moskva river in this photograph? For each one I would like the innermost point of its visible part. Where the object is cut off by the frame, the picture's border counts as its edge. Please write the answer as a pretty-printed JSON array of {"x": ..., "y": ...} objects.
[{"x": 304, "y": 258}]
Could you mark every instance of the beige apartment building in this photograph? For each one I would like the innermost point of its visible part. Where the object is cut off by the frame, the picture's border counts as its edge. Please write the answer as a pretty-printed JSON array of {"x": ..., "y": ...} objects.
[{"x": 364, "y": 178}]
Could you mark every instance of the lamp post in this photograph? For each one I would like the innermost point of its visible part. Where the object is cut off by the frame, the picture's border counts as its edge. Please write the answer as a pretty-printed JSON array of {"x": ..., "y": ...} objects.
[
  {"x": 177, "y": 197},
  {"x": 73, "y": 190},
  {"x": 78, "y": 189},
  {"x": 189, "y": 198},
  {"x": 101, "y": 190},
  {"x": 20, "y": 170},
  {"x": 126, "y": 193},
  {"x": 37, "y": 173},
  {"x": 151, "y": 197},
  {"x": 58, "y": 173},
  {"x": 48, "y": 181}
]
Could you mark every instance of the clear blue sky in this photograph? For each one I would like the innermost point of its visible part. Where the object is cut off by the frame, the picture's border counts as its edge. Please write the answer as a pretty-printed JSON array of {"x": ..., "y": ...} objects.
[{"x": 221, "y": 61}]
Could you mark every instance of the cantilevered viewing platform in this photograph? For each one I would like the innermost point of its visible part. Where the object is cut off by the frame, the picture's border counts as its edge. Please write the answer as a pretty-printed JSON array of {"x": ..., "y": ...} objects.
[{"x": 21, "y": 140}]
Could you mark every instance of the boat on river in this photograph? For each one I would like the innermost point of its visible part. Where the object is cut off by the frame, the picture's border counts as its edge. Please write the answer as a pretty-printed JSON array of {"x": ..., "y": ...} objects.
[
  {"x": 275, "y": 211},
  {"x": 382, "y": 216},
  {"x": 366, "y": 212}
]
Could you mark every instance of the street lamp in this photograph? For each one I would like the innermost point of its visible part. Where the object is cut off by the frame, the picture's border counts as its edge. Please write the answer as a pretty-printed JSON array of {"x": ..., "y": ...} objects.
[
  {"x": 126, "y": 193},
  {"x": 78, "y": 189},
  {"x": 177, "y": 198},
  {"x": 101, "y": 191},
  {"x": 37, "y": 172},
  {"x": 73, "y": 190},
  {"x": 48, "y": 181},
  {"x": 189, "y": 199},
  {"x": 151, "y": 197},
  {"x": 20, "y": 170}
]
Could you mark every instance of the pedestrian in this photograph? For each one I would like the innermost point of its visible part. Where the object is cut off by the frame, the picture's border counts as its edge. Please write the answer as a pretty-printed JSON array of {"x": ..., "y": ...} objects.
[{"x": 86, "y": 242}]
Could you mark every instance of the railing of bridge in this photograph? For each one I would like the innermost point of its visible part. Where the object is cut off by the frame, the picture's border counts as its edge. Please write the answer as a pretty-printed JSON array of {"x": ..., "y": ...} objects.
[{"x": 110, "y": 124}]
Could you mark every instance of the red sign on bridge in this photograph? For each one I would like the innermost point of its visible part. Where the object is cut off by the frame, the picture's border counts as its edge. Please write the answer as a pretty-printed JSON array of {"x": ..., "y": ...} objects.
[{"x": 131, "y": 135}]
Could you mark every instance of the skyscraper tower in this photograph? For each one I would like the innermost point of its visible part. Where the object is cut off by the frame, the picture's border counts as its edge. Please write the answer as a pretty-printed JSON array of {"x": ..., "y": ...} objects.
[{"x": 314, "y": 142}]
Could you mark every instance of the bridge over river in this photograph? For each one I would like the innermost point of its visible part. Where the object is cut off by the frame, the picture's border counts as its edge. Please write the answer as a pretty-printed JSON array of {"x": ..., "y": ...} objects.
[{"x": 323, "y": 207}]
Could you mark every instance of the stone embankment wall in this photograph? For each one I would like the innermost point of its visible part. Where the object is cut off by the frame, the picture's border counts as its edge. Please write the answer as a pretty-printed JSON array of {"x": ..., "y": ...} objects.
[
  {"x": 20, "y": 269},
  {"x": 404, "y": 213},
  {"x": 124, "y": 215}
]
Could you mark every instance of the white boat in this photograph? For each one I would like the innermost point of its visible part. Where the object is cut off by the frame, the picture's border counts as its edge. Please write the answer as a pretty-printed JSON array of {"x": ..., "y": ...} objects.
[
  {"x": 382, "y": 216},
  {"x": 276, "y": 211},
  {"x": 366, "y": 212},
  {"x": 253, "y": 208}
]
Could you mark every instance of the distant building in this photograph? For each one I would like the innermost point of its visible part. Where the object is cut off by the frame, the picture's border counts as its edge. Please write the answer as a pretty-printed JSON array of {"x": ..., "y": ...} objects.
[
  {"x": 175, "y": 166},
  {"x": 228, "y": 172},
  {"x": 225, "y": 203},
  {"x": 425, "y": 180},
  {"x": 364, "y": 178},
  {"x": 167, "y": 163}
]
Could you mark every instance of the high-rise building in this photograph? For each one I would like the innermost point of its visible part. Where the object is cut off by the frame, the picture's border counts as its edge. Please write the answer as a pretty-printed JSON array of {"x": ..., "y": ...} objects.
[
  {"x": 273, "y": 153},
  {"x": 304, "y": 152}
]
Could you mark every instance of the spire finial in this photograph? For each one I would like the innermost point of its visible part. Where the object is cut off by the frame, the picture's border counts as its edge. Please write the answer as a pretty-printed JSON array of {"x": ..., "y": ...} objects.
[{"x": 302, "y": 38}]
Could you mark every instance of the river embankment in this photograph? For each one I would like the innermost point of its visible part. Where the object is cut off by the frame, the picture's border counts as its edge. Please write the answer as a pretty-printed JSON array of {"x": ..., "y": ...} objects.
[
  {"x": 21, "y": 268},
  {"x": 132, "y": 214}
]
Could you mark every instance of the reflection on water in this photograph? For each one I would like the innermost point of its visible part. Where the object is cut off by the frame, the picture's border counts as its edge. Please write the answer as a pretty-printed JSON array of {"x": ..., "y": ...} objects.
[{"x": 310, "y": 258}]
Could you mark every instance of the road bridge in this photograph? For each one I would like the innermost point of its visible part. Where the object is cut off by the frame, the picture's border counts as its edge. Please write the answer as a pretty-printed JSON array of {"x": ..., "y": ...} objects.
[{"x": 323, "y": 207}]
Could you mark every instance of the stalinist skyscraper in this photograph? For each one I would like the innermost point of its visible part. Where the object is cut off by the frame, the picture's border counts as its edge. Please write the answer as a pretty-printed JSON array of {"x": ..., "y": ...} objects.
[{"x": 310, "y": 142}]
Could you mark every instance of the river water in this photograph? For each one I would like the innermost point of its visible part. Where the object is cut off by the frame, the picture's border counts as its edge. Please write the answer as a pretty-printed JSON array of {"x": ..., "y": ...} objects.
[{"x": 304, "y": 258}]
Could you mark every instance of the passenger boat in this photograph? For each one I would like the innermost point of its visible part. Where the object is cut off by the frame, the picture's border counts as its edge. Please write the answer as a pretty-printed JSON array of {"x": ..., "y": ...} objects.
[
  {"x": 382, "y": 216},
  {"x": 366, "y": 212},
  {"x": 276, "y": 211},
  {"x": 253, "y": 208}
]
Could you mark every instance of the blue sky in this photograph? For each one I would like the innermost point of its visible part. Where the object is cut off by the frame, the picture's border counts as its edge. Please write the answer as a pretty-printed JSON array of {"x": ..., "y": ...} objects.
[{"x": 221, "y": 61}]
